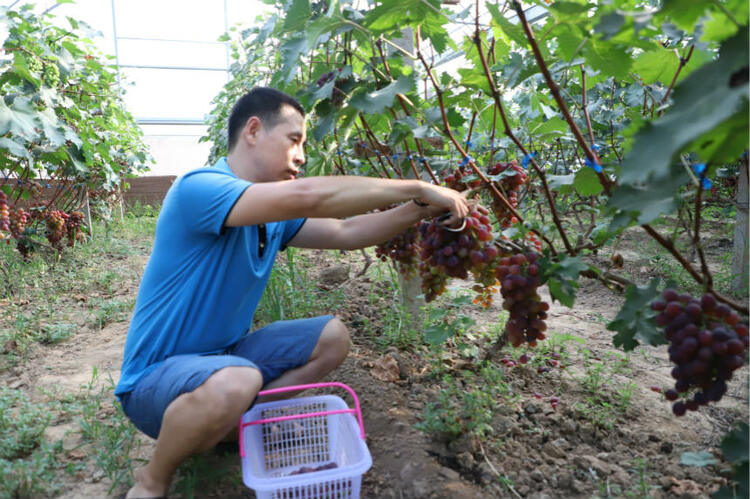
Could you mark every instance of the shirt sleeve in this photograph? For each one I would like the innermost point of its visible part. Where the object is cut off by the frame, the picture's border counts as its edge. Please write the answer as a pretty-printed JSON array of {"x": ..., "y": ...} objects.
[
  {"x": 206, "y": 197},
  {"x": 291, "y": 227}
]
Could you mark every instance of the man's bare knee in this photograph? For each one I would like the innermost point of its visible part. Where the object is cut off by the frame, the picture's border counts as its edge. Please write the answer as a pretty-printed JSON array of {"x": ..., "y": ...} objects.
[
  {"x": 333, "y": 344},
  {"x": 229, "y": 390}
]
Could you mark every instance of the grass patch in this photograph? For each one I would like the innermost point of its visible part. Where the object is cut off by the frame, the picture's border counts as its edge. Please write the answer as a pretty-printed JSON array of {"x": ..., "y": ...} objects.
[
  {"x": 28, "y": 464},
  {"x": 46, "y": 300}
]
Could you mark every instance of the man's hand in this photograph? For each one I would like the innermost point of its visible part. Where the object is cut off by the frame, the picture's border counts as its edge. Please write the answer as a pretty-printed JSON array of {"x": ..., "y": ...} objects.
[
  {"x": 442, "y": 205},
  {"x": 442, "y": 199}
]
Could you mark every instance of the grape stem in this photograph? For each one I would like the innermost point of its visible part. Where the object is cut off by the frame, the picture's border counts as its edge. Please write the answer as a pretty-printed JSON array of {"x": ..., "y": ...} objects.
[
  {"x": 507, "y": 130},
  {"x": 462, "y": 152},
  {"x": 401, "y": 99}
]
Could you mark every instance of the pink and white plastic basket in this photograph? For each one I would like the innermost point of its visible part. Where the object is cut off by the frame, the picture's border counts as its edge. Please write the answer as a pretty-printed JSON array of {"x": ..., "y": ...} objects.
[{"x": 304, "y": 448}]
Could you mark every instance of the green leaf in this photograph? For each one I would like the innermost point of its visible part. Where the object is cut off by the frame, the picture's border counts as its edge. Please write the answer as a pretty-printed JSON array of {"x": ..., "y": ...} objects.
[
  {"x": 610, "y": 24},
  {"x": 569, "y": 41},
  {"x": 562, "y": 277},
  {"x": 379, "y": 100},
  {"x": 395, "y": 14},
  {"x": 558, "y": 181},
  {"x": 435, "y": 335},
  {"x": 587, "y": 182},
  {"x": 18, "y": 119},
  {"x": 685, "y": 14},
  {"x": 735, "y": 444},
  {"x": 612, "y": 59},
  {"x": 513, "y": 31},
  {"x": 569, "y": 8},
  {"x": 14, "y": 148},
  {"x": 703, "y": 101},
  {"x": 634, "y": 322},
  {"x": 699, "y": 459},
  {"x": 297, "y": 15},
  {"x": 290, "y": 52},
  {"x": 474, "y": 77},
  {"x": 555, "y": 126},
  {"x": 320, "y": 26},
  {"x": 656, "y": 65}
]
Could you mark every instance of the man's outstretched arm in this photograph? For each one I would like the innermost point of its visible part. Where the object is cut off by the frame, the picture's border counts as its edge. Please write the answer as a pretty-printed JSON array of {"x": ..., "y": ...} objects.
[
  {"x": 338, "y": 197},
  {"x": 360, "y": 231}
]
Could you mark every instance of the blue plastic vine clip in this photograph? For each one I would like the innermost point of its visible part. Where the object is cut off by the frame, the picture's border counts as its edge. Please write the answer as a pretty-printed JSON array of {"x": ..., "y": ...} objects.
[
  {"x": 48, "y": 186},
  {"x": 465, "y": 161},
  {"x": 527, "y": 159},
  {"x": 395, "y": 155},
  {"x": 699, "y": 169},
  {"x": 595, "y": 166},
  {"x": 706, "y": 183},
  {"x": 408, "y": 157},
  {"x": 595, "y": 147},
  {"x": 468, "y": 144}
]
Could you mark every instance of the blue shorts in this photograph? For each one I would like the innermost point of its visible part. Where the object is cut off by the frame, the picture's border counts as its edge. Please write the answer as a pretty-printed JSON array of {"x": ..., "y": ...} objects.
[{"x": 274, "y": 349}]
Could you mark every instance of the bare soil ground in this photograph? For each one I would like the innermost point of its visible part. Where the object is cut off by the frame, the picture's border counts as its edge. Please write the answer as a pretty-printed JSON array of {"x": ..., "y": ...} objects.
[{"x": 621, "y": 440}]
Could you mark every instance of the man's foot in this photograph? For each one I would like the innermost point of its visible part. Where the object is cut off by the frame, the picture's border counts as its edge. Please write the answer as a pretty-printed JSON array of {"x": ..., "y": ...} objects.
[{"x": 146, "y": 487}]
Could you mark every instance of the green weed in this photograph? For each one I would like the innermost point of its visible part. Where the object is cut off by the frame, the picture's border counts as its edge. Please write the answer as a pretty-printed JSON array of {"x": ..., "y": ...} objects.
[
  {"x": 28, "y": 464},
  {"x": 109, "y": 311},
  {"x": 290, "y": 295},
  {"x": 113, "y": 438},
  {"x": 466, "y": 404}
]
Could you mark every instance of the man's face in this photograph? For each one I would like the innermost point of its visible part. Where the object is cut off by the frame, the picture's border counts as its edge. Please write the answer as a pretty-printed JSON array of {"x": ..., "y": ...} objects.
[{"x": 279, "y": 150}]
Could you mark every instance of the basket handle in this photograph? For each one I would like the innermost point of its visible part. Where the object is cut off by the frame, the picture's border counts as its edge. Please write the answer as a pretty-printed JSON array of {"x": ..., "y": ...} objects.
[{"x": 283, "y": 389}]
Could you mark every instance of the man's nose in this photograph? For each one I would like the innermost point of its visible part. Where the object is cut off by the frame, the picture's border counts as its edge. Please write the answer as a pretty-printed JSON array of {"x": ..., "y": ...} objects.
[{"x": 299, "y": 156}]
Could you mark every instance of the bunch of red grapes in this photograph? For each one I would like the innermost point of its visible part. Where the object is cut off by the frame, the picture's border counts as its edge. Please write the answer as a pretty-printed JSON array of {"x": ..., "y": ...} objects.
[
  {"x": 4, "y": 215},
  {"x": 56, "y": 230},
  {"x": 338, "y": 94},
  {"x": 455, "y": 180},
  {"x": 73, "y": 226},
  {"x": 511, "y": 186},
  {"x": 707, "y": 344},
  {"x": 310, "y": 469},
  {"x": 446, "y": 252},
  {"x": 18, "y": 219},
  {"x": 519, "y": 280},
  {"x": 402, "y": 249},
  {"x": 326, "y": 77}
]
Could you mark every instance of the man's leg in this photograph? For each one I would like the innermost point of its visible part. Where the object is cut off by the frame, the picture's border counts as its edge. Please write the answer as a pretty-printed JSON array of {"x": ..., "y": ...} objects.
[
  {"x": 195, "y": 422},
  {"x": 329, "y": 352}
]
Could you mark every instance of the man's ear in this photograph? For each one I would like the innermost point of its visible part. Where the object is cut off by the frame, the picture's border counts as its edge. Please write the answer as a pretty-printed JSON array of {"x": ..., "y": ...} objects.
[{"x": 251, "y": 129}]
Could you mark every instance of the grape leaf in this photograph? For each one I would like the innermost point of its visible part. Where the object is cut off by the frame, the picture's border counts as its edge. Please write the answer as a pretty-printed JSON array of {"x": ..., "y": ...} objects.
[
  {"x": 704, "y": 100},
  {"x": 562, "y": 277},
  {"x": 377, "y": 101},
  {"x": 735, "y": 444},
  {"x": 562, "y": 183},
  {"x": 513, "y": 31},
  {"x": 634, "y": 322},
  {"x": 587, "y": 183},
  {"x": 14, "y": 148},
  {"x": 699, "y": 459},
  {"x": 435, "y": 335},
  {"x": 648, "y": 200},
  {"x": 297, "y": 15},
  {"x": 18, "y": 119},
  {"x": 612, "y": 59}
]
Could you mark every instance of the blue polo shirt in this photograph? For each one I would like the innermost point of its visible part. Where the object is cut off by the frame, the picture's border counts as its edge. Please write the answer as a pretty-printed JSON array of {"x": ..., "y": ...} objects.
[{"x": 203, "y": 281}]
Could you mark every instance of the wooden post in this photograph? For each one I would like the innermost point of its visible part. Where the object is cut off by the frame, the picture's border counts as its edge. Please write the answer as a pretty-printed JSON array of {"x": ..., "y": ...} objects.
[
  {"x": 88, "y": 216},
  {"x": 740, "y": 250}
]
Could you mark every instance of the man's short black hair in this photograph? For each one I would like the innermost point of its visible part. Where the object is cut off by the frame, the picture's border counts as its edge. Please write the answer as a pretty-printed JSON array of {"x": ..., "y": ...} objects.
[{"x": 263, "y": 102}]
